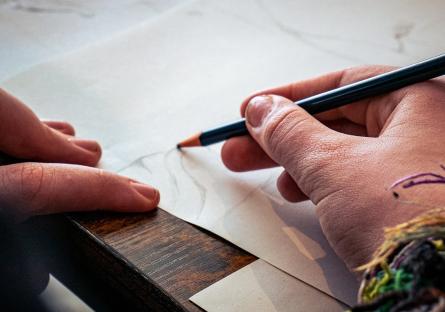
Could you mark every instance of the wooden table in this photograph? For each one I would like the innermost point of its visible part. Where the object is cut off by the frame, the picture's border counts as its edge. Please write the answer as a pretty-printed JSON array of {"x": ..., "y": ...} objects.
[{"x": 151, "y": 261}]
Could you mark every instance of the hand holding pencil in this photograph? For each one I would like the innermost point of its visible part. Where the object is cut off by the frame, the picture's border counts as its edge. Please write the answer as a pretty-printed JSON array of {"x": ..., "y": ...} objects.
[{"x": 346, "y": 160}]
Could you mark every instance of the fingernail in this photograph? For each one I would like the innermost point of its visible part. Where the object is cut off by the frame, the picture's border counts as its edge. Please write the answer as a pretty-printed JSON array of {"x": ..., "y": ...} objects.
[
  {"x": 89, "y": 145},
  {"x": 147, "y": 191},
  {"x": 64, "y": 130},
  {"x": 257, "y": 110},
  {"x": 60, "y": 126}
]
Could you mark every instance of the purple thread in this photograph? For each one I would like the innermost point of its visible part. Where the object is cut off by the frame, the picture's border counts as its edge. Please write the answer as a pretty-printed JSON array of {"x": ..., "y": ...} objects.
[
  {"x": 426, "y": 181},
  {"x": 439, "y": 179},
  {"x": 402, "y": 255}
]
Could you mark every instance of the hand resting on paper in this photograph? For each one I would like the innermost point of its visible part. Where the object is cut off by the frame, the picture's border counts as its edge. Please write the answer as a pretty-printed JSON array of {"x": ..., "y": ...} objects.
[
  {"x": 44, "y": 185},
  {"x": 346, "y": 160}
]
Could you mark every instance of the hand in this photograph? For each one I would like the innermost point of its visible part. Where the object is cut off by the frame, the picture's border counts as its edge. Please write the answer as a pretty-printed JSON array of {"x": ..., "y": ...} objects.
[
  {"x": 35, "y": 188},
  {"x": 346, "y": 160}
]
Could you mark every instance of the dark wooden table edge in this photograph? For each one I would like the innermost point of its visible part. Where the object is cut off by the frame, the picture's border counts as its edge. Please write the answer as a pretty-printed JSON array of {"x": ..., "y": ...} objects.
[
  {"x": 101, "y": 275},
  {"x": 152, "y": 288}
]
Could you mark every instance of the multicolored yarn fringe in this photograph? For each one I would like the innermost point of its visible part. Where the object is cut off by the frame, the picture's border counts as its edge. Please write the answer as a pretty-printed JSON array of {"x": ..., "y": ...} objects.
[{"x": 408, "y": 270}]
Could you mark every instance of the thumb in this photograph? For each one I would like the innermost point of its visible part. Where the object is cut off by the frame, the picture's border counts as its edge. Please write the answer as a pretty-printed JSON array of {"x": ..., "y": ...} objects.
[{"x": 305, "y": 147}]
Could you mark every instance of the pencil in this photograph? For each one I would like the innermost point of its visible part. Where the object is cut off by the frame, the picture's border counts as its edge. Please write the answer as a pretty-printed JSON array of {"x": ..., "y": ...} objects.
[{"x": 377, "y": 85}]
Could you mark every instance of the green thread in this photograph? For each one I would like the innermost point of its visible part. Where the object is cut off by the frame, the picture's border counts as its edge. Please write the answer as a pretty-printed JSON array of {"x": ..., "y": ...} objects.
[
  {"x": 416, "y": 251},
  {"x": 402, "y": 280},
  {"x": 387, "y": 280}
]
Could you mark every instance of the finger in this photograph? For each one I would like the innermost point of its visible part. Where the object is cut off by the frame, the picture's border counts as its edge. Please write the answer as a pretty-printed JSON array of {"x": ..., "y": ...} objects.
[
  {"x": 61, "y": 126},
  {"x": 35, "y": 189},
  {"x": 356, "y": 112},
  {"x": 346, "y": 127},
  {"x": 24, "y": 136},
  {"x": 305, "y": 147},
  {"x": 289, "y": 189},
  {"x": 244, "y": 154}
]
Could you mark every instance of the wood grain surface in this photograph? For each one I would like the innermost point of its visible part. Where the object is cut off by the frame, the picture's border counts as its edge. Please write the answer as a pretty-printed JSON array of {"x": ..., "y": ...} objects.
[{"x": 154, "y": 260}]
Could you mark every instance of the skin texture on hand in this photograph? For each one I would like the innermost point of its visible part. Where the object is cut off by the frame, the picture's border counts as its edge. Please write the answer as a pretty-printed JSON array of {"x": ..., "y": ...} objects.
[
  {"x": 345, "y": 160},
  {"x": 57, "y": 177}
]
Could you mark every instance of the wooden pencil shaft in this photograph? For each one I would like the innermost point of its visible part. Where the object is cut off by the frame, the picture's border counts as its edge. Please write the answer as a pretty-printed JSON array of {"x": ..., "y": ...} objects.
[{"x": 354, "y": 92}]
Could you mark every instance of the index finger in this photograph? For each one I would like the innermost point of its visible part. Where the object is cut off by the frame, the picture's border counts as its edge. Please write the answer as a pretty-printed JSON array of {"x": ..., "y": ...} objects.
[
  {"x": 355, "y": 112},
  {"x": 24, "y": 136},
  {"x": 40, "y": 188}
]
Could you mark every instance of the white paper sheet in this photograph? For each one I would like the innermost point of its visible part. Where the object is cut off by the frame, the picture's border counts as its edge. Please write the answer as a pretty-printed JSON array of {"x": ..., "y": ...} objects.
[
  {"x": 143, "y": 91},
  {"x": 254, "y": 288},
  {"x": 34, "y": 31}
]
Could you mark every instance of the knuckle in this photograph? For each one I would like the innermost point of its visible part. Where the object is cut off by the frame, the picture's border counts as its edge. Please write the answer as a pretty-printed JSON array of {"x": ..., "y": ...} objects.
[
  {"x": 32, "y": 177},
  {"x": 290, "y": 135},
  {"x": 282, "y": 131},
  {"x": 103, "y": 178},
  {"x": 26, "y": 187}
]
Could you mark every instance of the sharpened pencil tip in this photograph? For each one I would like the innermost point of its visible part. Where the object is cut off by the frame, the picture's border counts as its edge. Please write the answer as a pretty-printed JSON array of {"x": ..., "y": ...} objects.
[{"x": 190, "y": 142}]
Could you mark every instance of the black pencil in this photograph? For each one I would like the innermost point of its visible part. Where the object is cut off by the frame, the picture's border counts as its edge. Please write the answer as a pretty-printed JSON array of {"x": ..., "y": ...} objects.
[{"x": 325, "y": 101}]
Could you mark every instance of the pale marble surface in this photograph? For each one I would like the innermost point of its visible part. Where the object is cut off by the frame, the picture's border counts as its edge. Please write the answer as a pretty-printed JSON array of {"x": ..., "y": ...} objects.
[
  {"x": 33, "y": 31},
  {"x": 189, "y": 71}
]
